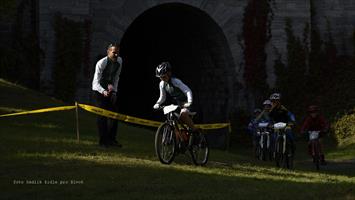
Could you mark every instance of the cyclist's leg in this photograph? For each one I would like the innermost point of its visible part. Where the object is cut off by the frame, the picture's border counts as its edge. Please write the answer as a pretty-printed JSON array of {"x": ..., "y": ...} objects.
[{"x": 186, "y": 119}]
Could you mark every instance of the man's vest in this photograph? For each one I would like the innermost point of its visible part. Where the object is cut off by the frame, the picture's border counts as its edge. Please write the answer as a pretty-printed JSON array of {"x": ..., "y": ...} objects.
[{"x": 109, "y": 73}]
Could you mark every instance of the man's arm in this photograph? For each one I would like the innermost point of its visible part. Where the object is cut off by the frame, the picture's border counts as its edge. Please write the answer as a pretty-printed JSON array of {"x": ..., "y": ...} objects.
[
  {"x": 305, "y": 125},
  {"x": 100, "y": 65}
]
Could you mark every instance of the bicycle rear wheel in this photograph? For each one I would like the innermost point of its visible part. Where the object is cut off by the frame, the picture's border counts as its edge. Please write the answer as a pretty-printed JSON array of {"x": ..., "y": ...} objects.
[
  {"x": 199, "y": 149},
  {"x": 165, "y": 143}
]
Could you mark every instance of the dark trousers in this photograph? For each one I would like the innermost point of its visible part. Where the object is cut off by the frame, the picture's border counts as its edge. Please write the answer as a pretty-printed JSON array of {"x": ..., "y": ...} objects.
[{"x": 107, "y": 127}]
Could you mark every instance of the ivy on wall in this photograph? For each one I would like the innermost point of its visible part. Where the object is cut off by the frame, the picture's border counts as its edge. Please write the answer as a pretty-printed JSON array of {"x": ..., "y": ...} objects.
[
  {"x": 256, "y": 33},
  {"x": 69, "y": 48},
  {"x": 296, "y": 66},
  {"x": 304, "y": 80}
]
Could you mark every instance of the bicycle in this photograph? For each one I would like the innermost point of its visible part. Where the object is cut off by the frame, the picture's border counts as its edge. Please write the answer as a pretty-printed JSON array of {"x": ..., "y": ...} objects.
[
  {"x": 283, "y": 148},
  {"x": 263, "y": 147},
  {"x": 173, "y": 138},
  {"x": 315, "y": 147}
]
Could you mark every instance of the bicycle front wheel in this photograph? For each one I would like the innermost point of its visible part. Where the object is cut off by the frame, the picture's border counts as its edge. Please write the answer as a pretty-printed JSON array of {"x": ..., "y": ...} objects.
[
  {"x": 199, "y": 149},
  {"x": 165, "y": 143},
  {"x": 279, "y": 156}
]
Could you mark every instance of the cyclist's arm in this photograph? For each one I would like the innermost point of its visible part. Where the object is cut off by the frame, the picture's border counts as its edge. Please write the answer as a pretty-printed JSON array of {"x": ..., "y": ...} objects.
[
  {"x": 305, "y": 126},
  {"x": 291, "y": 119},
  {"x": 260, "y": 116},
  {"x": 187, "y": 91},
  {"x": 162, "y": 92}
]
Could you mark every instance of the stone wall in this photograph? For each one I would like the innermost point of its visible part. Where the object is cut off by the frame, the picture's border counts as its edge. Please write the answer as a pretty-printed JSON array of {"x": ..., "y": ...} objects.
[
  {"x": 111, "y": 18},
  {"x": 77, "y": 10},
  {"x": 340, "y": 15},
  {"x": 298, "y": 12}
]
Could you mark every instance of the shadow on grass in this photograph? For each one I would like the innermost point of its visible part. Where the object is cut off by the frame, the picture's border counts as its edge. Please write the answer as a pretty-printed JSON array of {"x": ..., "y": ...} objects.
[{"x": 106, "y": 176}]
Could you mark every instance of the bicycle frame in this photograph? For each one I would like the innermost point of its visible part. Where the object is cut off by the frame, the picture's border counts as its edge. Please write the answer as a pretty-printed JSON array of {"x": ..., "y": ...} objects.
[
  {"x": 315, "y": 145},
  {"x": 280, "y": 131},
  {"x": 173, "y": 131},
  {"x": 264, "y": 136},
  {"x": 282, "y": 147},
  {"x": 173, "y": 119},
  {"x": 263, "y": 131}
]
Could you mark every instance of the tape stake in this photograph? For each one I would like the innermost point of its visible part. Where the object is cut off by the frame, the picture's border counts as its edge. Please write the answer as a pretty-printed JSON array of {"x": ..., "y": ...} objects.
[{"x": 77, "y": 122}]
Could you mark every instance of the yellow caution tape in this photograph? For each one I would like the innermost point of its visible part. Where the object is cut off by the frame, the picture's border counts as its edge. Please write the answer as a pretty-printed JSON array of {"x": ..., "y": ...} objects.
[
  {"x": 102, "y": 112},
  {"x": 120, "y": 117},
  {"x": 117, "y": 116},
  {"x": 40, "y": 111},
  {"x": 212, "y": 126},
  {"x": 140, "y": 121}
]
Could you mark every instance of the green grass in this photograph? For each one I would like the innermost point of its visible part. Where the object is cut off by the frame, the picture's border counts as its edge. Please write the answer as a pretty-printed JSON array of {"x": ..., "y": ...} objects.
[{"x": 42, "y": 149}]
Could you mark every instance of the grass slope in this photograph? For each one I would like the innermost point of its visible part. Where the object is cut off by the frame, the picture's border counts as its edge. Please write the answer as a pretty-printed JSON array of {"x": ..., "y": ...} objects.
[{"x": 40, "y": 159}]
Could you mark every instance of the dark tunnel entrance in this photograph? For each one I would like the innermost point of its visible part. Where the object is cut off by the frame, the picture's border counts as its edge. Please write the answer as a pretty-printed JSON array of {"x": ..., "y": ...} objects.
[{"x": 195, "y": 46}]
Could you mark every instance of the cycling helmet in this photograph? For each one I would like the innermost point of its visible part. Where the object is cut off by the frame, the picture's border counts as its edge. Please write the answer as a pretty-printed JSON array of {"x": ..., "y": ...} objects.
[
  {"x": 162, "y": 69},
  {"x": 257, "y": 110},
  {"x": 313, "y": 108},
  {"x": 267, "y": 102},
  {"x": 275, "y": 96}
]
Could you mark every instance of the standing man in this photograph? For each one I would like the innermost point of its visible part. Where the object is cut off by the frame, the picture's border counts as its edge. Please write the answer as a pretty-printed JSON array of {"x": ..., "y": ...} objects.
[{"x": 104, "y": 85}]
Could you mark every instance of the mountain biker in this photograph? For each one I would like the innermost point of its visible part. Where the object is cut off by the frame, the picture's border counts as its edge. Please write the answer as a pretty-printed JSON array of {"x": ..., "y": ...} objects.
[
  {"x": 265, "y": 117},
  {"x": 252, "y": 127},
  {"x": 315, "y": 122},
  {"x": 279, "y": 113},
  {"x": 180, "y": 93}
]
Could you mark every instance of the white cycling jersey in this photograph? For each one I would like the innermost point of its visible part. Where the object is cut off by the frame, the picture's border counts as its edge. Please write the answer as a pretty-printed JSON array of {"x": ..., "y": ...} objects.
[{"x": 176, "y": 89}]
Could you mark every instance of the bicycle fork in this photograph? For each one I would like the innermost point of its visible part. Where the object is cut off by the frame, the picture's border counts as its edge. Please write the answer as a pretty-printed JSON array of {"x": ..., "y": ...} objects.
[{"x": 262, "y": 138}]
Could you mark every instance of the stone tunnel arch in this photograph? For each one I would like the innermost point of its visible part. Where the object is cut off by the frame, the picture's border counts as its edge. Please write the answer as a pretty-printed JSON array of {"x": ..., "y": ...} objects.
[{"x": 197, "y": 49}]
